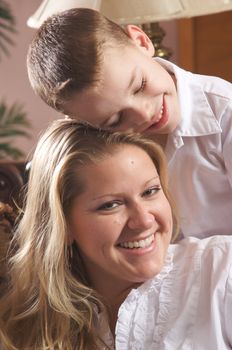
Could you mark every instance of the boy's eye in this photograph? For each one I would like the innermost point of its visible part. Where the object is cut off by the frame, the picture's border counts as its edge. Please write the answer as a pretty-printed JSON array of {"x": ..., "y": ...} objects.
[
  {"x": 151, "y": 191},
  {"x": 109, "y": 205},
  {"x": 141, "y": 87}
]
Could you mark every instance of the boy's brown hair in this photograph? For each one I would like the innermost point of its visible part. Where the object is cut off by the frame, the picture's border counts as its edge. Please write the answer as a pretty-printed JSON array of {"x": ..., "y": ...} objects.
[{"x": 66, "y": 53}]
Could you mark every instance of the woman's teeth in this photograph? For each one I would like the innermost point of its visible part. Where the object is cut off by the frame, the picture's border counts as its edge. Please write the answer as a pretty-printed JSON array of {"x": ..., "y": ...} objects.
[{"x": 143, "y": 243}]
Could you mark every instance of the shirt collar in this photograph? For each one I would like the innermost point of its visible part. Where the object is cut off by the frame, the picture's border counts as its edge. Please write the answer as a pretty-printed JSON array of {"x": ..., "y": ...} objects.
[{"x": 198, "y": 115}]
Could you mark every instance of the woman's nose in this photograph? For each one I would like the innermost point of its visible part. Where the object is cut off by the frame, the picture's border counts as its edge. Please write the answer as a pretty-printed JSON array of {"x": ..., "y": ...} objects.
[{"x": 140, "y": 218}]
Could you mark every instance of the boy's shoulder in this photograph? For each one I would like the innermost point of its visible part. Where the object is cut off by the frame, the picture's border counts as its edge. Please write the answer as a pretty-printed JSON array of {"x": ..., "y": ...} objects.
[
  {"x": 208, "y": 84},
  {"x": 214, "y": 85},
  {"x": 212, "y": 245}
]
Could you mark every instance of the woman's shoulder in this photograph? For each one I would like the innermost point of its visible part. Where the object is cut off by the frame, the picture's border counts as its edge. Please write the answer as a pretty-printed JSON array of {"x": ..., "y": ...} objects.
[{"x": 191, "y": 269}]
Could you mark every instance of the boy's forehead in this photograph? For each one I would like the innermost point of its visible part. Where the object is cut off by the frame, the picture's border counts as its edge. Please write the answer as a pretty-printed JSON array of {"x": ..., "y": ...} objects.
[
  {"x": 92, "y": 106},
  {"x": 107, "y": 97},
  {"x": 117, "y": 76}
]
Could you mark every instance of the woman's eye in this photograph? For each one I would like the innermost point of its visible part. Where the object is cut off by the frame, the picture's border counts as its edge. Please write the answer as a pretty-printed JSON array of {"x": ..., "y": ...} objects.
[
  {"x": 151, "y": 191},
  {"x": 109, "y": 205},
  {"x": 117, "y": 122},
  {"x": 141, "y": 87}
]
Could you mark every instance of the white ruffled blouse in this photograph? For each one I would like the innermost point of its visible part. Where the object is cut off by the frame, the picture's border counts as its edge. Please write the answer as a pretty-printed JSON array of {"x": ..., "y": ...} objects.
[{"x": 187, "y": 306}]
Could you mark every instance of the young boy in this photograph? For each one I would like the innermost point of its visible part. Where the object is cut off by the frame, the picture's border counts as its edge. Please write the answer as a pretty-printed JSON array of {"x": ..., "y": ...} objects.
[{"x": 88, "y": 67}]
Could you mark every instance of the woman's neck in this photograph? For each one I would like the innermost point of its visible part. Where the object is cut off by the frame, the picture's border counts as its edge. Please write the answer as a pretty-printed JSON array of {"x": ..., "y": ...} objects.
[{"x": 114, "y": 301}]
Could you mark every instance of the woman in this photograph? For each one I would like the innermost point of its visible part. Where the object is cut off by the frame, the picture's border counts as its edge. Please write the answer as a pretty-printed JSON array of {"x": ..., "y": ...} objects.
[{"x": 92, "y": 266}]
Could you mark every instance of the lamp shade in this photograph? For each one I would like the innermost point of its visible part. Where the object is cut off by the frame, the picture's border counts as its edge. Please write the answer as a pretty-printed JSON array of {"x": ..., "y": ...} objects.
[
  {"x": 134, "y": 11},
  {"x": 49, "y": 7},
  {"x": 146, "y": 11}
]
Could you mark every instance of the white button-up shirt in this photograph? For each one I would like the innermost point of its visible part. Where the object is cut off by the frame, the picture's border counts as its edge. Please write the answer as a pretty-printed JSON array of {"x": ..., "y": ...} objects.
[
  {"x": 188, "y": 306},
  {"x": 199, "y": 154}
]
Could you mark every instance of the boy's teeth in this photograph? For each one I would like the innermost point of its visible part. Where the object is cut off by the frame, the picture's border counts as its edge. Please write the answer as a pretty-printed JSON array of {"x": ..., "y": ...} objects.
[
  {"x": 160, "y": 114},
  {"x": 143, "y": 243}
]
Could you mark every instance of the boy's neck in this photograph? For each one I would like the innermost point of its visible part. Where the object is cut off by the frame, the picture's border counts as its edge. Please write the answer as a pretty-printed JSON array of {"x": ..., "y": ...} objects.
[{"x": 161, "y": 139}]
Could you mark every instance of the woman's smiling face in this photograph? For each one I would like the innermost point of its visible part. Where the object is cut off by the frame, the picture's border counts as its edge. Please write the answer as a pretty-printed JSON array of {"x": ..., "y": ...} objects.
[{"x": 122, "y": 221}]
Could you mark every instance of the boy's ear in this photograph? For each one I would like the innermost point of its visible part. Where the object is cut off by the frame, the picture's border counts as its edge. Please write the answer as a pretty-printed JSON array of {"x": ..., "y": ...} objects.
[{"x": 140, "y": 38}]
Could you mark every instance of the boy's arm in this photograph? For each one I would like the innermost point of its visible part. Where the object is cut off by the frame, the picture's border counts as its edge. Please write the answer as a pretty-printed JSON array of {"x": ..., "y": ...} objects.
[
  {"x": 228, "y": 308},
  {"x": 227, "y": 141}
]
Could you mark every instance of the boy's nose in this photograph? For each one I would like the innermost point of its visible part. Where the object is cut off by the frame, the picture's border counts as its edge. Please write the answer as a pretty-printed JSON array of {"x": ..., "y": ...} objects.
[
  {"x": 141, "y": 114},
  {"x": 140, "y": 218}
]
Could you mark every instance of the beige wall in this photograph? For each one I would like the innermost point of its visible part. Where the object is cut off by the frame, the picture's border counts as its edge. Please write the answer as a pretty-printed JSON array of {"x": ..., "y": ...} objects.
[{"x": 14, "y": 85}]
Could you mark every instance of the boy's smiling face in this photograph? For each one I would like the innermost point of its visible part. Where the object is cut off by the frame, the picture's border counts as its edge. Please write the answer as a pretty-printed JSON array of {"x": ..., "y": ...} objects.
[{"x": 135, "y": 93}]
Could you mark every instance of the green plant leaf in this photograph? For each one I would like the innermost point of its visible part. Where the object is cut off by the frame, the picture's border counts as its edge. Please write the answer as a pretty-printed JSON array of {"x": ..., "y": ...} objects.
[
  {"x": 13, "y": 133},
  {"x": 7, "y": 25},
  {"x": 13, "y": 116},
  {"x": 13, "y": 123},
  {"x": 13, "y": 120},
  {"x": 8, "y": 151},
  {"x": 5, "y": 11}
]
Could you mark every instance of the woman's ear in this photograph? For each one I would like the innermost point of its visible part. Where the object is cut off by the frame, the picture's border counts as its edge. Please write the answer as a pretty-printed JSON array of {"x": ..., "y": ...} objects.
[{"x": 140, "y": 38}]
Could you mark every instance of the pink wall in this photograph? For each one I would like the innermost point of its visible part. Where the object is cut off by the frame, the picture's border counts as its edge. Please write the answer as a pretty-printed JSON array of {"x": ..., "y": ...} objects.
[{"x": 14, "y": 84}]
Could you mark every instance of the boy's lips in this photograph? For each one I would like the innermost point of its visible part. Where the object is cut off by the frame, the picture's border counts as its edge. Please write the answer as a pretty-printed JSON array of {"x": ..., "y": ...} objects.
[{"x": 159, "y": 121}]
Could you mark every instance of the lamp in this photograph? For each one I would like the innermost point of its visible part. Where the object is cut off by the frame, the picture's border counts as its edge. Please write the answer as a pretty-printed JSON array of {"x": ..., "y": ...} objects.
[
  {"x": 146, "y": 13},
  {"x": 49, "y": 7}
]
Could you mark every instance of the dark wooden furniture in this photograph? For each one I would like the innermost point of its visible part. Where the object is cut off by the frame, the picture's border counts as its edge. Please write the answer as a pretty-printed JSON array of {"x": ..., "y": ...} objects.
[
  {"x": 13, "y": 177},
  {"x": 205, "y": 44}
]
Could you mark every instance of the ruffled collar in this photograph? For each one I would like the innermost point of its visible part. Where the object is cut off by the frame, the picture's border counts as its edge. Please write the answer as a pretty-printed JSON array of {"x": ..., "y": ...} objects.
[{"x": 137, "y": 304}]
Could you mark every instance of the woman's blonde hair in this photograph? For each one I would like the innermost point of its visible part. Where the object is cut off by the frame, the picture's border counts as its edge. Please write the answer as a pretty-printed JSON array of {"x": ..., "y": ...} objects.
[{"x": 50, "y": 303}]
